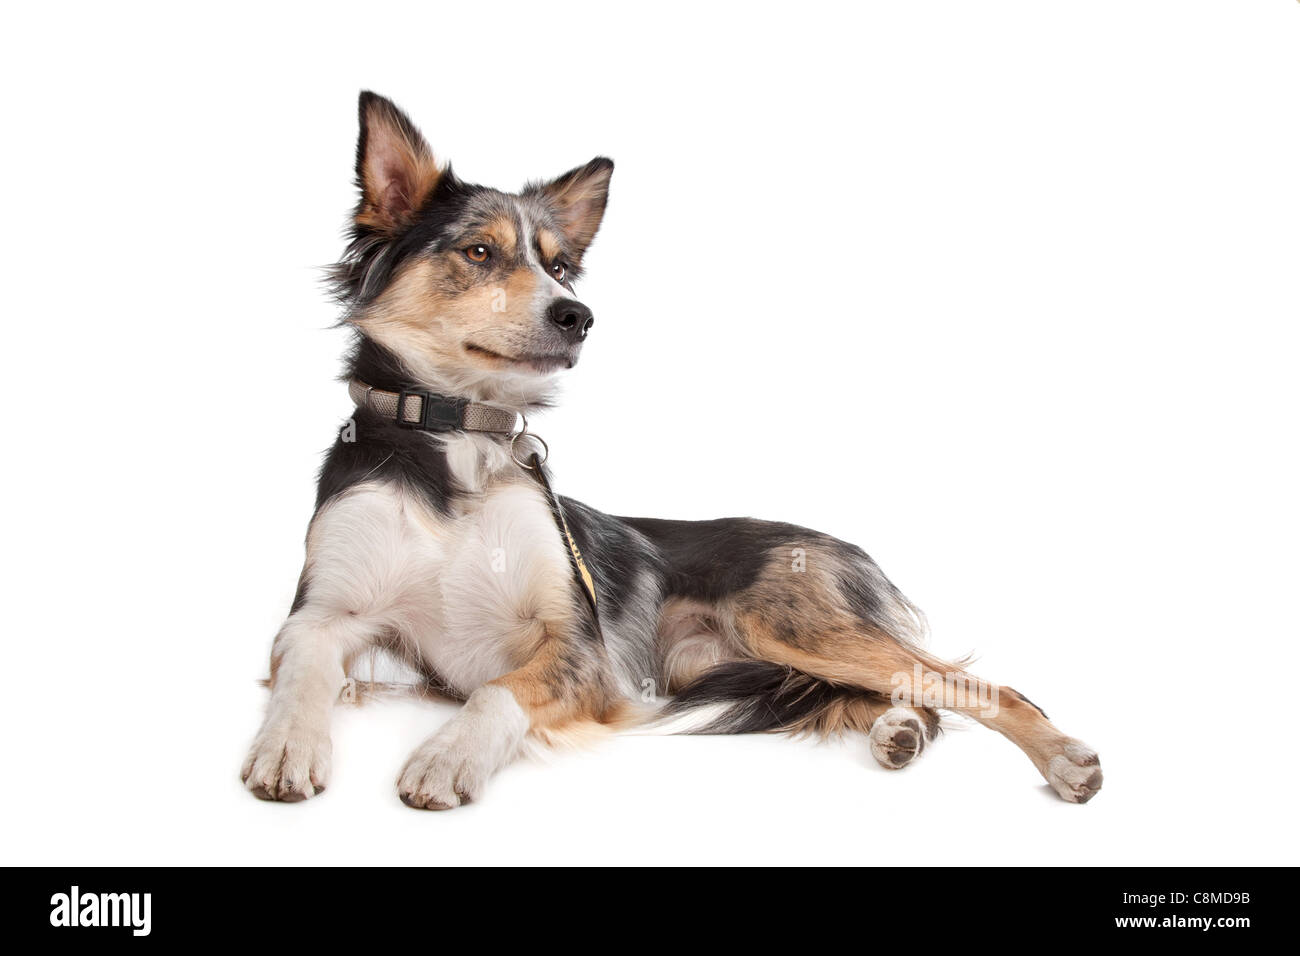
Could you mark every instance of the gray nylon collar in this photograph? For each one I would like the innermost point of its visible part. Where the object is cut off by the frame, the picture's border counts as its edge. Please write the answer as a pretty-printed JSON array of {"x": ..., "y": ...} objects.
[{"x": 429, "y": 411}]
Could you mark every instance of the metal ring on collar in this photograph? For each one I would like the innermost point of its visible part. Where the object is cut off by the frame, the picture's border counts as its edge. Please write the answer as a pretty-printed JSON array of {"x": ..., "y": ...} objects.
[{"x": 546, "y": 449}]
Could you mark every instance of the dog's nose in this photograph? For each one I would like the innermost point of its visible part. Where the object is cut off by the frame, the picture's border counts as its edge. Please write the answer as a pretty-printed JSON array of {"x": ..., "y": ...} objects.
[{"x": 572, "y": 317}]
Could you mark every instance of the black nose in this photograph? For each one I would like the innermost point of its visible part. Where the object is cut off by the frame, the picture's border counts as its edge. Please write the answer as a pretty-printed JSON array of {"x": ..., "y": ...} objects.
[{"x": 573, "y": 318}]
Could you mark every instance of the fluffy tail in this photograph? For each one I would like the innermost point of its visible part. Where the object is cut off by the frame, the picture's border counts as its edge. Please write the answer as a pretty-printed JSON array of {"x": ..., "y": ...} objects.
[{"x": 745, "y": 697}]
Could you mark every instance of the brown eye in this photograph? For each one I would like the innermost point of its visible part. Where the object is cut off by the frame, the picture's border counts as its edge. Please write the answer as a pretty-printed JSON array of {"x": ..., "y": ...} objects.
[
  {"x": 559, "y": 270},
  {"x": 478, "y": 253}
]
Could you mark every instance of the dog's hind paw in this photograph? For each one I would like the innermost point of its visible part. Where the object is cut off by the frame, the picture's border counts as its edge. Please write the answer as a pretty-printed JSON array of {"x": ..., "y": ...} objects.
[
  {"x": 1074, "y": 772},
  {"x": 897, "y": 738},
  {"x": 288, "y": 764}
]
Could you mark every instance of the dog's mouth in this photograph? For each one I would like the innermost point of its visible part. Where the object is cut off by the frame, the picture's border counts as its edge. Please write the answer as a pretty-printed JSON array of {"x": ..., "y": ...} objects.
[{"x": 538, "y": 361}]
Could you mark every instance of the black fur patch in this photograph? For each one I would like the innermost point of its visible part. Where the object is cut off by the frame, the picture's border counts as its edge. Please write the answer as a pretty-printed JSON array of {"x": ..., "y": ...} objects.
[
  {"x": 616, "y": 554},
  {"x": 763, "y": 697},
  {"x": 710, "y": 560},
  {"x": 386, "y": 451}
]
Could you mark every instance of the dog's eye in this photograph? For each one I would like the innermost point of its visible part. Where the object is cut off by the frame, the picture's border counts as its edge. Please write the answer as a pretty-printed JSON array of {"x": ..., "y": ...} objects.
[
  {"x": 478, "y": 253},
  {"x": 559, "y": 270}
]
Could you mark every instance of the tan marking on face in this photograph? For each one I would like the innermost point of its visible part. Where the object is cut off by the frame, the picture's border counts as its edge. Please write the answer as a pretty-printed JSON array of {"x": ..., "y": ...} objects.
[
  {"x": 428, "y": 317},
  {"x": 549, "y": 244},
  {"x": 500, "y": 232}
]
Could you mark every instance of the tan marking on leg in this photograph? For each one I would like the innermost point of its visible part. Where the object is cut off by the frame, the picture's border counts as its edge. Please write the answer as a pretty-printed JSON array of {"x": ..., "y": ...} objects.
[
  {"x": 552, "y": 690},
  {"x": 873, "y": 662}
]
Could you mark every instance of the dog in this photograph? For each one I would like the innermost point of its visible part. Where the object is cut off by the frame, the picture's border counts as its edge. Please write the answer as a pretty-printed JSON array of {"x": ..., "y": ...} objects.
[{"x": 436, "y": 535}]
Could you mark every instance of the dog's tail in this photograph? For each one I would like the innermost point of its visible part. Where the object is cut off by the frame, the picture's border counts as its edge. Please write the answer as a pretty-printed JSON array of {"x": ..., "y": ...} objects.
[{"x": 753, "y": 696}]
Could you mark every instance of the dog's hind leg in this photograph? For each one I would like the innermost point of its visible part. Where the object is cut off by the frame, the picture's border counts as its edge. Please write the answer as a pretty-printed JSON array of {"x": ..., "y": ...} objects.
[
  {"x": 753, "y": 696},
  {"x": 880, "y": 663},
  {"x": 841, "y": 621},
  {"x": 1070, "y": 766}
]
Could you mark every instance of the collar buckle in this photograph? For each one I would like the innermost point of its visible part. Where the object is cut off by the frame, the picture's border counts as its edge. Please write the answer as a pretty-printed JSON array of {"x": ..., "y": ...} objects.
[{"x": 437, "y": 412}]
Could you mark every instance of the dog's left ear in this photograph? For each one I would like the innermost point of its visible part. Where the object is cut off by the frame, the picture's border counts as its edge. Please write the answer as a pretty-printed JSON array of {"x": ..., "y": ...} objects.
[{"x": 578, "y": 198}]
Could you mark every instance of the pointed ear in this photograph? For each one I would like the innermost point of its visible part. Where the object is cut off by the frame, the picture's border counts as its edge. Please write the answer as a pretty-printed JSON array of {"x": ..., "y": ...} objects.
[
  {"x": 396, "y": 171},
  {"x": 578, "y": 198}
]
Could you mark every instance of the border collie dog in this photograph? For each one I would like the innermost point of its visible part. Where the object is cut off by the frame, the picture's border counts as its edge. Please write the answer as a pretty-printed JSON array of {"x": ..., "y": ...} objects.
[{"x": 436, "y": 535}]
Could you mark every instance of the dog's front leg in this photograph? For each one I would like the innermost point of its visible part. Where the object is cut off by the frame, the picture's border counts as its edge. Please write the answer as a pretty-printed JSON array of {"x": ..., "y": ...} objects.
[
  {"x": 290, "y": 757},
  {"x": 451, "y": 767},
  {"x": 564, "y": 681}
]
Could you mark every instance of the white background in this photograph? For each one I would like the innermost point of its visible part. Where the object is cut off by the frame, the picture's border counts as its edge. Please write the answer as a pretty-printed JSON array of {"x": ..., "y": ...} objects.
[{"x": 1004, "y": 292}]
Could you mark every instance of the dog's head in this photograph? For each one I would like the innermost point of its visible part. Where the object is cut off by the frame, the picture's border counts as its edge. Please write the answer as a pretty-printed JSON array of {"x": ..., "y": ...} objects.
[{"x": 469, "y": 288}]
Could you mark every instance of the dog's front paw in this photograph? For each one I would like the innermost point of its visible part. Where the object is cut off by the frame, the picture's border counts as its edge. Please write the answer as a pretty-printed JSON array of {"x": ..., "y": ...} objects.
[
  {"x": 287, "y": 763},
  {"x": 451, "y": 767},
  {"x": 440, "y": 777},
  {"x": 1074, "y": 771},
  {"x": 897, "y": 738}
]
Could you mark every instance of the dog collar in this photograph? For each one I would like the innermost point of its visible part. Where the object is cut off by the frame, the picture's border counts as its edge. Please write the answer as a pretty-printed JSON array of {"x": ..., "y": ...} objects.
[{"x": 416, "y": 408}]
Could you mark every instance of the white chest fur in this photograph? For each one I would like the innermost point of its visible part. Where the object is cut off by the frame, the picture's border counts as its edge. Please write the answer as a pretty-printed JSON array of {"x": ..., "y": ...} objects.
[{"x": 469, "y": 591}]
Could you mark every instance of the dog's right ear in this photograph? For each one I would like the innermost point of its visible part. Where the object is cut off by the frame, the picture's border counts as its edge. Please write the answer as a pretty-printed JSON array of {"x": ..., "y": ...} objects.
[{"x": 396, "y": 171}]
